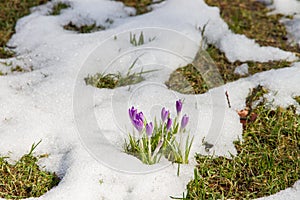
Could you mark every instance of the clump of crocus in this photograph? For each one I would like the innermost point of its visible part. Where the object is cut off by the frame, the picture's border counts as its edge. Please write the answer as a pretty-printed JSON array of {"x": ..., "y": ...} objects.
[
  {"x": 163, "y": 138},
  {"x": 177, "y": 152},
  {"x": 146, "y": 146},
  {"x": 137, "y": 119}
]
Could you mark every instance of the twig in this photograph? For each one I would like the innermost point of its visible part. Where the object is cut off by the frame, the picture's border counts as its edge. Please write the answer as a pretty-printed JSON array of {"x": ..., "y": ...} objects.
[{"x": 227, "y": 97}]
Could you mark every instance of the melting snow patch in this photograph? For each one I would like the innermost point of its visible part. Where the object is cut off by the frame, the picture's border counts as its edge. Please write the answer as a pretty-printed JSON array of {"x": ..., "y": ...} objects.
[
  {"x": 40, "y": 104},
  {"x": 242, "y": 69}
]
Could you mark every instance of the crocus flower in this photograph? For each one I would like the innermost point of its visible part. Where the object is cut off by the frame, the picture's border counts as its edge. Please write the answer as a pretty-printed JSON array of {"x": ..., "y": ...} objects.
[
  {"x": 140, "y": 116},
  {"x": 178, "y": 106},
  {"x": 132, "y": 112},
  {"x": 149, "y": 129},
  {"x": 169, "y": 124},
  {"x": 137, "y": 119},
  {"x": 138, "y": 124},
  {"x": 164, "y": 114},
  {"x": 184, "y": 121}
]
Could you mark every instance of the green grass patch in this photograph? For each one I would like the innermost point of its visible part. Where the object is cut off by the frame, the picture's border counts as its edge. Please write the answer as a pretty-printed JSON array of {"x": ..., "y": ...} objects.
[
  {"x": 84, "y": 28},
  {"x": 110, "y": 81},
  {"x": 141, "y": 6},
  {"x": 136, "y": 41},
  {"x": 58, "y": 7},
  {"x": 18, "y": 68},
  {"x": 188, "y": 79},
  {"x": 5, "y": 52},
  {"x": 101, "y": 80},
  {"x": 14, "y": 69},
  {"x": 251, "y": 19},
  {"x": 256, "y": 94},
  {"x": 268, "y": 159},
  {"x": 11, "y": 11},
  {"x": 297, "y": 98},
  {"x": 25, "y": 179},
  {"x": 226, "y": 68}
]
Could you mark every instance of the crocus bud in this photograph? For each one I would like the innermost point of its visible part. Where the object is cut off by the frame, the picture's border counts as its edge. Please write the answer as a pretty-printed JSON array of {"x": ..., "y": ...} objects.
[
  {"x": 164, "y": 114},
  {"x": 178, "y": 106},
  {"x": 132, "y": 112},
  {"x": 184, "y": 121},
  {"x": 169, "y": 124},
  {"x": 149, "y": 129},
  {"x": 140, "y": 116},
  {"x": 138, "y": 124}
]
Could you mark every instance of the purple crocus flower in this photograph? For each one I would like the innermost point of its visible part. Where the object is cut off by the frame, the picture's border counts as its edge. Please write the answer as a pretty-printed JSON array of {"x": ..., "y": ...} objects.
[
  {"x": 178, "y": 106},
  {"x": 140, "y": 116},
  {"x": 138, "y": 123},
  {"x": 184, "y": 121},
  {"x": 164, "y": 114},
  {"x": 137, "y": 119},
  {"x": 132, "y": 113},
  {"x": 169, "y": 124},
  {"x": 149, "y": 129}
]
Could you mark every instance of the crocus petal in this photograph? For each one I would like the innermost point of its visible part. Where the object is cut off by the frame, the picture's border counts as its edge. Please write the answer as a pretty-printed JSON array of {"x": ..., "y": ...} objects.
[
  {"x": 138, "y": 124},
  {"x": 149, "y": 129},
  {"x": 164, "y": 114},
  {"x": 184, "y": 121},
  {"x": 132, "y": 112},
  {"x": 178, "y": 106},
  {"x": 140, "y": 116},
  {"x": 137, "y": 119},
  {"x": 169, "y": 124}
]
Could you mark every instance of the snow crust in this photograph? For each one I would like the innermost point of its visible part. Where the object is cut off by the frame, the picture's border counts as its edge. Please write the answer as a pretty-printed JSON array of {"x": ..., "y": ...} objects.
[
  {"x": 83, "y": 128},
  {"x": 290, "y": 7},
  {"x": 242, "y": 69}
]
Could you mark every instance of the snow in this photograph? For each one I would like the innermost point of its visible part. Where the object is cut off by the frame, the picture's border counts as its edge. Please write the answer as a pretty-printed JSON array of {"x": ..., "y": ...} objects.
[
  {"x": 293, "y": 27},
  {"x": 83, "y": 128},
  {"x": 290, "y": 8},
  {"x": 242, "y": 69}
]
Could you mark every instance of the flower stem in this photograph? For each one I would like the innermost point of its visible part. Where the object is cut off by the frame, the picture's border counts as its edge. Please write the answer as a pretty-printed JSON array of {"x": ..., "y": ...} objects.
[
  {"x": 142, "y": 150},
  {"x": 162, "y": 130},
  {"x": 175, "y": 122},
  {"x": 149, "y": 150},
  {"x": 178, "y": 169},
  {"x": 180, "y": 140}
]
